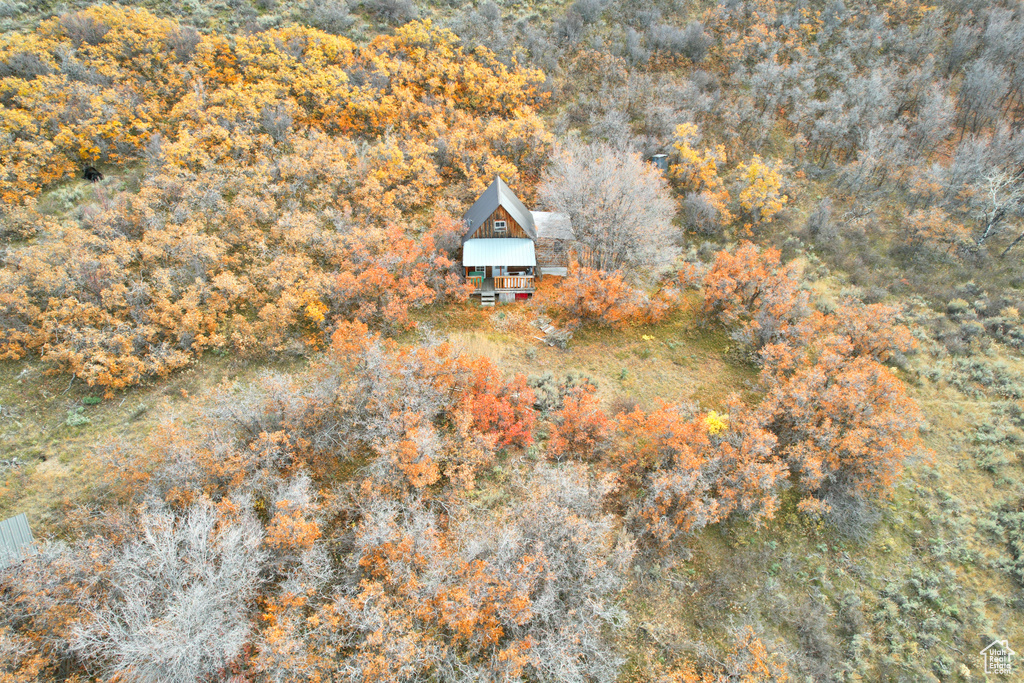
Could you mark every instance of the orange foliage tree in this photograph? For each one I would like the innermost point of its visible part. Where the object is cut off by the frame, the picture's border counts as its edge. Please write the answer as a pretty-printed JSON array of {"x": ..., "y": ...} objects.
[
  {"x": 580, "y": 428},
  {"x": 594, "y": 297},
  {"x": 845, "y": 424},
  {"x": 871, "y": 330},
  {"x": 501, "y": 408},
  {"x": 752, "y": 289},
  {"x": 697, "y": 470}
]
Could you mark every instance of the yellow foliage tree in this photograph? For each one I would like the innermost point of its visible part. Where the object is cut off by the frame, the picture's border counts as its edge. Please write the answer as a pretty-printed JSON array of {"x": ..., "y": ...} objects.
[
  {"x": 761, "y": 197},
  {"x": 697, "y": 169}
]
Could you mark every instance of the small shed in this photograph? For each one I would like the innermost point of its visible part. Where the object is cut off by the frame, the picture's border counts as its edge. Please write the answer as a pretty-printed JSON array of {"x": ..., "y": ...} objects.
[
  {"x": 555, "y": 241},
  {"x": 16, "y": 540}
]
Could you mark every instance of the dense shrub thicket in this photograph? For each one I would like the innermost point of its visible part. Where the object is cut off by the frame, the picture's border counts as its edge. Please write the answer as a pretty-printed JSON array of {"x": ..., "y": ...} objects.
[
  {"x": 287, "y": 186},
  {"x": 239, "y": 531},
  {"x": 280, "y": 172}
]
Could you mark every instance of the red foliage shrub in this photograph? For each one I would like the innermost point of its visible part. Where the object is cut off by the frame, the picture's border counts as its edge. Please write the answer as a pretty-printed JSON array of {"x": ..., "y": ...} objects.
[
  {"x": 595, "y": 297},
  {"x": 580, "y": 428},
  {"x": 501, "y": 408}
]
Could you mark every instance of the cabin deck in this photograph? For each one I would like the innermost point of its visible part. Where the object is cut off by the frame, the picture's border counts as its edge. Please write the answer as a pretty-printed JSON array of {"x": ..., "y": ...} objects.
[{"x": 502, "y": 283}]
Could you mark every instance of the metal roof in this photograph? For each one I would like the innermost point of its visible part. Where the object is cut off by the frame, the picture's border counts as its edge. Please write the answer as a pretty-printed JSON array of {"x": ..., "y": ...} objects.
[
  {"x": 555, "y": 226},
  {"x": 498, "y": 194},
  {"x": 499, "y": 251},
  {"x": 15, "y": 540}
]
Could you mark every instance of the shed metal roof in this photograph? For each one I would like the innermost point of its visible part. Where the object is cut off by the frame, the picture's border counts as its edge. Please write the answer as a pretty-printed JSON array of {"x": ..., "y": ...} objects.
[
  {"x": 498, "y": 194},
  {"x": 551, "y": 225},
  {"x": 15, "y": 540},
  {"x": 499, "y": 251}
]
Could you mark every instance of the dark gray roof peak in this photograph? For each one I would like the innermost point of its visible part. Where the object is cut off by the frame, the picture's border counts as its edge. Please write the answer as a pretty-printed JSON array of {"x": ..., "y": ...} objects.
[{"x": 498, "y": 194}]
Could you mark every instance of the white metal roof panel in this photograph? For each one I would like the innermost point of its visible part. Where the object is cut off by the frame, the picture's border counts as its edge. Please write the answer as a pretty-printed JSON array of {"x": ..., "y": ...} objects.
[
  {"x": 499, "y": 251},
  {"x": 15, "y": 539}
]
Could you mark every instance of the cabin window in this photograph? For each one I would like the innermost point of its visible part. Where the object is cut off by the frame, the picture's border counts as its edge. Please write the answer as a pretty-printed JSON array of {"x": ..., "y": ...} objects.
[{"x": 500, "y": 227}]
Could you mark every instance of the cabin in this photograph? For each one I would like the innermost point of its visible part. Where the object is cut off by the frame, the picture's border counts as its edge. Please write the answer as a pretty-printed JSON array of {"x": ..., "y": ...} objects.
[{"x": 507, "y": 247}]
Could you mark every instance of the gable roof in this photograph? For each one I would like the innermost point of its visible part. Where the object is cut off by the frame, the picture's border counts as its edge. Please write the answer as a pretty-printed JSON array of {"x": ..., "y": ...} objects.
[{"x": 498, "y": 194}]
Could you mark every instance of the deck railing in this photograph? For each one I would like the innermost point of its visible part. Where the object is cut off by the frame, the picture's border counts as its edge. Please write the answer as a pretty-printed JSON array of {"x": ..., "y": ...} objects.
[
  {"x": 513, "y": 282},
  {"x": 476, "y": 280}
]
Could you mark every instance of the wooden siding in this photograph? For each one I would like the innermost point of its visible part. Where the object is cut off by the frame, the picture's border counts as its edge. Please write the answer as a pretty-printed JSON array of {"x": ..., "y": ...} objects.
[
  {"x": 552, "y": 252},
  {"x": 559, "y": 253},
  {"x": 486, "y": 230}
]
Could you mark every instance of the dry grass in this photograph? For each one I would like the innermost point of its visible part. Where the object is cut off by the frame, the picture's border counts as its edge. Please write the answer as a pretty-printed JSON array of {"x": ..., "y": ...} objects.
[
  {"x": 682, "y": 359},
  {"x": 58, "y": 462}
]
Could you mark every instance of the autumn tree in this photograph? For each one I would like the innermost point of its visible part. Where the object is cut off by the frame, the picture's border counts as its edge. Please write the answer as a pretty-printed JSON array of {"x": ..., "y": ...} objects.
[
  {"x": 580, "y": 427},
  {"x": 696, "y": 171},
  {"x": 871, "y": 330},
  {"x": 696, "y": 470},
  {"x": 499, "y": 407},
  {"x": 596, "y": 297},
  {"x": 845, "y": 425},
  {"x": 760, "y": 194},
  {"x": 752, "y": 289},
  {"x": 619, "y": 206},
  {"x": 21, "y": 663}
]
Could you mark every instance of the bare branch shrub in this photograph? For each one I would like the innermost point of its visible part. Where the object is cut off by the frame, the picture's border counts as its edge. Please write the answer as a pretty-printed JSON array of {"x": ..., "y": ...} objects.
[
  {"x": 180, "y": 594},
  {"x": 691, "y": 42},
  {"x": 83, "y": 28},
  {"x": 331, "y": 16},
  {"x": 392, "y": 11},
  {"x": 25, "y": 65},
  {"x": 184, "y": 40},
  {"x": 701, "y": 214},
  {"x": 619, "y": 206}
]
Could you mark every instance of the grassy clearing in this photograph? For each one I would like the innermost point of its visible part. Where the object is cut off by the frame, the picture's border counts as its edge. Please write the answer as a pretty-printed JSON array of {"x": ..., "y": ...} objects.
[
  {"x": 64, "y": 198},
  {"x": 681, "y": 359},
  {"x": 53, "y": 428}
]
